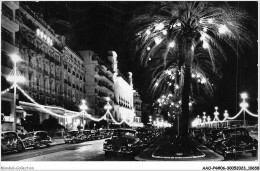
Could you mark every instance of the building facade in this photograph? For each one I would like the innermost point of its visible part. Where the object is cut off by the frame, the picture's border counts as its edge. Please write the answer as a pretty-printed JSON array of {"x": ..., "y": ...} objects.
[
  {"x": 137, "y": 107},
  {"x": 123, "y": 101},
  {"x": 55, "y": 74},
  {"x": 99, "y": 82},
  {"x": 57, "y": 77}
]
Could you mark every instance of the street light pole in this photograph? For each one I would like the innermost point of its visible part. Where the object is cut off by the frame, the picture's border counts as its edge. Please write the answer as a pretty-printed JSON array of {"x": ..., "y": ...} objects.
[
  {"x": 83, "y": 108},
  {"x": 15, "y": 118},
  {"x": 15, "y": 78},
  {"x": 108, "y": 107},
  {"x": 244, "y": 105}
]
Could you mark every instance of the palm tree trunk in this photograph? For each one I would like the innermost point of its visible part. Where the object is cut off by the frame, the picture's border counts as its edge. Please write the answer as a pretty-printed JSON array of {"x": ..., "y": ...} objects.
[{"x": 186, "y": 88}]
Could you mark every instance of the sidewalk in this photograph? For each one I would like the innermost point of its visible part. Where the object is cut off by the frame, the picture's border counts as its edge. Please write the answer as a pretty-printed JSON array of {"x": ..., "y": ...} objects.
[
  {"x": 57, "y": 141},
  {"x": 162, "y": 150}
]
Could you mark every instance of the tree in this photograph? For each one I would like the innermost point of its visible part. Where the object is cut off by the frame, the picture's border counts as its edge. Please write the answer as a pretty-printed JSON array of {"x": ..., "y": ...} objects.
[
  {"x": 186, "y": 32},
  {"x": 51, "y": 124}
]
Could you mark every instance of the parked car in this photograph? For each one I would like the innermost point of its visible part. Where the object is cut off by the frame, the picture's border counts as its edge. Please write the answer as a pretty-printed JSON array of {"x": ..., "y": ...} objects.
[
  {"x": 236, "y": 140},
  {"x": 41, "y": 138},
  {"x": 29, "y": 141},
  {"x": 145, "y": 136},
  {"x": 215, "y": 136},
  {"x": 88, "y": 135},
  {"x": 197, "y": 134},
  {"x": 10, "y": 141},
  {"x": 123, "y": 141},
  {"x": 73, "y": 137}
]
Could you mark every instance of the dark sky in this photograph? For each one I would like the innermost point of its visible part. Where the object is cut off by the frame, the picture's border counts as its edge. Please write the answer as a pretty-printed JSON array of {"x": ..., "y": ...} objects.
[{"x": 103, "y": 26}]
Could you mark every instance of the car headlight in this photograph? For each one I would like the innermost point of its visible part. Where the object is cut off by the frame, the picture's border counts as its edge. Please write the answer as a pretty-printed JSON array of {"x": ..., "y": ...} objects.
[{"x": 129, "y": 145}]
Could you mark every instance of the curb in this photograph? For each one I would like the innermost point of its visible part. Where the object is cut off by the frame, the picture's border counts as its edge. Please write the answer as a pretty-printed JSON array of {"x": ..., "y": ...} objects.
[{"x": 172, "y": 157}]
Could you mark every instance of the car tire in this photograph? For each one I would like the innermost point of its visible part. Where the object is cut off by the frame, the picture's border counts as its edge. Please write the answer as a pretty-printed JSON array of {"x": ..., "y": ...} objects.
[{"x": 253, "y": 153}]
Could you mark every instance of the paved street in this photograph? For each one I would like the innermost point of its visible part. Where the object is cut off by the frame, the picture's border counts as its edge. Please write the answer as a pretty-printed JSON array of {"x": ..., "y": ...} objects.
[{"x": 92, "y": 151}]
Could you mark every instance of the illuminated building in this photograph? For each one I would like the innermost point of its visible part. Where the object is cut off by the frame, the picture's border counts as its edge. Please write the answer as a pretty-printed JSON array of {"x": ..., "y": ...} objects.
[
  {"x": 55, "y": 74},
  {"x": 138, "y": 108},
  {"x": 123, "y": 102},
  {"x": 100, "y": 83}
]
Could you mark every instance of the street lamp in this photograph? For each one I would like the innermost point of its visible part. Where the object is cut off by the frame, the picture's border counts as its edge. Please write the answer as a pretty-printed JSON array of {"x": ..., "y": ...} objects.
[
  {"x": 108, "y": 107},
  {"x": 150, "y": 119},
  {"x": 15, "y": 76},
  {"x": 83, "y": 108},
  {"x": 204, "y": 117},
  {"x": 244, "y": 105}
]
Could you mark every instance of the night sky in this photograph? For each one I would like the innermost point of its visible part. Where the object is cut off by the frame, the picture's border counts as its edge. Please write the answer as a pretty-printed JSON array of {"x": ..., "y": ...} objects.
[{"x": 103, "y": 26}]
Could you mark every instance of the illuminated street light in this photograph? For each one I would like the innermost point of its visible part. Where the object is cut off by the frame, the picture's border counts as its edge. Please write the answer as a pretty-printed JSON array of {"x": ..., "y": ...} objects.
[
  {"x": 225, "y": 114},
  {"x": 83, "y": 107},
  {"x": 244, "y": 104},
  {"x": 15, "y": 76},
  {"x": 108, "y": 107},
  {"x": 244, "y": 96}
]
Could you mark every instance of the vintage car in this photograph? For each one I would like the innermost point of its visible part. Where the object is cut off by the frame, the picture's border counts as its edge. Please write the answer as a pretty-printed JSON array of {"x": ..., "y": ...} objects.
[
  {"x": 73, "y": 137},
  {"x": 214, "y": 137},
  {"x": 145, "y": 135},
  {"x": 88, "y": 135},
  {"x": 40, "y": 138},
  {"x": 123, "y": 141},
  {"x": 236, "y": 140},
  {"x": 29, "y": 141},
  {"x": 10, "y": 141},
  {"x": 197, "y": 134}
]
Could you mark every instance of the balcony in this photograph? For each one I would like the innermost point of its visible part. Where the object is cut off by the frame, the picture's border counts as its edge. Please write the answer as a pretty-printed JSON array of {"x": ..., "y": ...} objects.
[
  {"x": 105, "y": 84},
  {"x": 102, "y": 94}
]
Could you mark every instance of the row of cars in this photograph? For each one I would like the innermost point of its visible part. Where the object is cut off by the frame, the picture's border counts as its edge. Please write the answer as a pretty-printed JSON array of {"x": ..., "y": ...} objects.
[
  {"x": 227, "y": 141},
  {"x": 86, "y": 135},
  {"x": 130, "y": 141},
  {"x": 11, "y": 141}
]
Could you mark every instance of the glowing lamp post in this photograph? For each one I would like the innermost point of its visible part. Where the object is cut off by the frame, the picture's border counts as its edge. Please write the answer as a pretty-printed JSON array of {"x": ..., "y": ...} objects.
[
  {"x": 209, "y": 121},
  {"x": 15, "y": 76},
  {"x": 108, "y": 107},
  {"x": 83, "y": 108},
  {"x": 225, "y": 114},
  {"x": 216, "y": 113},
  {"x": 244, "y": 105},
  {"x": 150, "y": 119},
  {"x": 204, "y": 117}
]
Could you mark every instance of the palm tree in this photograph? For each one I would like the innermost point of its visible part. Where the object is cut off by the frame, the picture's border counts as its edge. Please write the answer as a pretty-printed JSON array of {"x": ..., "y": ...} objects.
[{"x": 187, "y": 32}]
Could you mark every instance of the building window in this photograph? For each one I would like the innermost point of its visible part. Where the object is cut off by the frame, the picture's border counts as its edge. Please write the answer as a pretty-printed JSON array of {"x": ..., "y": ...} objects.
[
  {"x": 7, "y": 35},
  {"x": 6, "y": 11}
]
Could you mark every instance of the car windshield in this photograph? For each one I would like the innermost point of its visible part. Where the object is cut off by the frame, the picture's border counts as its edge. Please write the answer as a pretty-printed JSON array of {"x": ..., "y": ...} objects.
[
  {"x": 123, "y": 133},
  {"x": 23, "y": 136}
]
